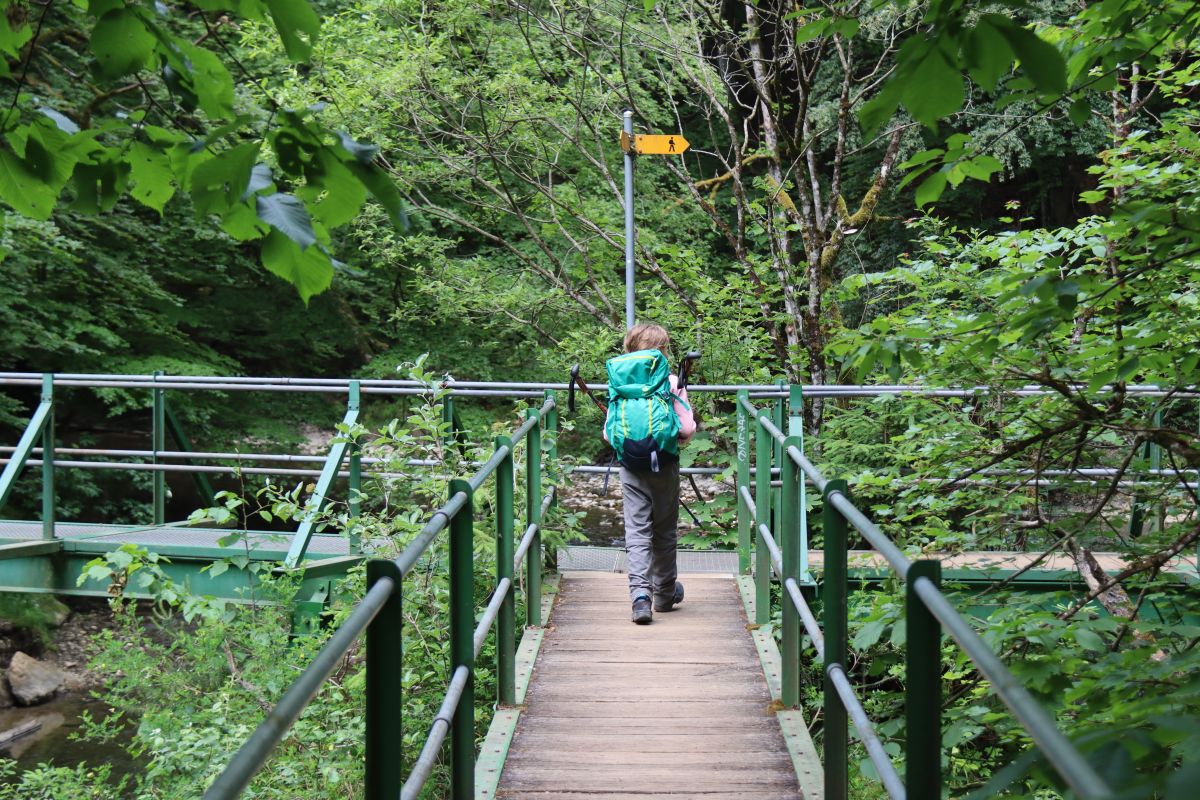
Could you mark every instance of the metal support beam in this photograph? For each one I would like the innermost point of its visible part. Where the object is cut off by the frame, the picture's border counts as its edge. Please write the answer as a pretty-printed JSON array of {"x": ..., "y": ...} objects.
[
  {"x": 923, "y": 687},
  {"x": 158, "y": 443},
  {"x": 743, "y": 479},
  {"x": 787, "y": 533},
  {"x": 49, "y": 497},
  {"x": 320, "y": 494},
  {"x": 462, "y": 644},
  {"x": 506, "y": 639},
  {"x": 763, "y": 449},
  {"x": 833, "y": 530},
  {"x": 385, "y": 696},
  {"x": 533, "y": 509}
]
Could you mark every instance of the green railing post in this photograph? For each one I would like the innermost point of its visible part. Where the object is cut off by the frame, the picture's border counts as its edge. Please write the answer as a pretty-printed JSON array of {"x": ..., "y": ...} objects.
[
  {"x": 506, "y": 648},
  {"x": 787, "y": 534},
  {"x": 833, "y": 528},
  {"x": 550, "y": 431},
  {"x": 763, "y": 448},
  {"x": 923, "y": 688},
  {"x": 49, "y": 507},
  {"x": 462, "y": 647},
  {"x": 385, "y": 697},
  {"x": 777, "y": 453},
  {"x": 533, "y": 507},
  {"x": 796, "y": 430},
  {"x": 158, "y": 436},
  {"x": 354, "y": 489},
  {"x": 743, "y": 479}
]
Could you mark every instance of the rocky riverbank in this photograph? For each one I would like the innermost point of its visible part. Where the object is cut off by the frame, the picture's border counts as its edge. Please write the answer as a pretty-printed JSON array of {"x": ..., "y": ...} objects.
[{"x": 43, "y": 674}]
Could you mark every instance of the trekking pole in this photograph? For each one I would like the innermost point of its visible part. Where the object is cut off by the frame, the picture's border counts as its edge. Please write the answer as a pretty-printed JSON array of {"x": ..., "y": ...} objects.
[
  {"x": 578, "y": 381},
  {"x": 686, "y": 367}
]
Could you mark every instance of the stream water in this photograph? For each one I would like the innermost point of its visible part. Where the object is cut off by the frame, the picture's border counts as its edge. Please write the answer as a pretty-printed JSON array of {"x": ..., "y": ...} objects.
[{"x": 56, "y": 743}]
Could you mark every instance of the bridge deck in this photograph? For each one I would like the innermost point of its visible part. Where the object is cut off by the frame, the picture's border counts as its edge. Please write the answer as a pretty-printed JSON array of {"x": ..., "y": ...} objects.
[
  {"x": 179, "y": 536},
  {"x": 678, "y": 708}
]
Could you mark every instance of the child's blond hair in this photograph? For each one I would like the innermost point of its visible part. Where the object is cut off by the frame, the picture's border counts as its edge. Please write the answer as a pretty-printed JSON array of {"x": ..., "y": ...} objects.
[{"x": 647, "y": 336}]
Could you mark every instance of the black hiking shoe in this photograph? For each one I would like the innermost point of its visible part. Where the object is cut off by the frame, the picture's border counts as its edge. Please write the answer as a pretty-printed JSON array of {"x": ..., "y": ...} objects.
[
  {"x": 669, "y": 605},
  {"x": 641, "y": 610}
]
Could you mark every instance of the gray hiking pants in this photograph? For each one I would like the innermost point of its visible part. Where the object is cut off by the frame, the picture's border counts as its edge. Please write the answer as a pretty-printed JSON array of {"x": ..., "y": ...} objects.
[{"x": 651, "y": 516}]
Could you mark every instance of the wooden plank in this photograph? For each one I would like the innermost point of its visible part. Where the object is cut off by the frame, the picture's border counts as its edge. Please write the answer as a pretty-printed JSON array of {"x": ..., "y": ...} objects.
[{"x": 673, "y": 709}]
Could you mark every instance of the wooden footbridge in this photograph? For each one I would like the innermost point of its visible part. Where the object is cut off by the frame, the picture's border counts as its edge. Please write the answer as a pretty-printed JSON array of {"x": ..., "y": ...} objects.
[{"x": 703, "y": 703}]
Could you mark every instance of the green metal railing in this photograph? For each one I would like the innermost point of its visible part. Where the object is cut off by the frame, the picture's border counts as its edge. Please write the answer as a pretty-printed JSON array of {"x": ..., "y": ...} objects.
[
  {"x": 41, "y": 425},
  {"x": 780, "y": 526},
  {"x": 342, "y": 447},
  {"x": 379, "y": 614}
]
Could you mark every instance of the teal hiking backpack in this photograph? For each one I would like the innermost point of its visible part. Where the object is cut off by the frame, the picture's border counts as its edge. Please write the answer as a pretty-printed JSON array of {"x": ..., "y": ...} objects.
[{"x": 642, "y": 426}]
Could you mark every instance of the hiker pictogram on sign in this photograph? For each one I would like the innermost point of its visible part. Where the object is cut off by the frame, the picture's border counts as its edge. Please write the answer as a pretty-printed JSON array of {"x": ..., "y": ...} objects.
[{"x": 657, "y": 144}]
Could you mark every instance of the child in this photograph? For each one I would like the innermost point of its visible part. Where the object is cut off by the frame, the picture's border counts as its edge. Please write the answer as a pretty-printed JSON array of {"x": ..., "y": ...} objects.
[{"x": 649, "y": 466}]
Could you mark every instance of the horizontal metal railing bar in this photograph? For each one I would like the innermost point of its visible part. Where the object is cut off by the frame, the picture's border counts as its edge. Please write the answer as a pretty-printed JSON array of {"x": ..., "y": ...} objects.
[
  {"x": 527, "y": 537},
  {"x": 870, "y": 531},
  {"x": 251, "y": 756},
  {"x": 535, "y": 388},
  {"x": 227, "y": 469},
  {"x": 437, "y": 522},
  {"x": 249, "y": 387},
  {"x": 866, "y": 733},
  {"x": 216, "y": 456},
  {"x": 1041, "y": 727},
  {"x": 437, "y": 734},
  {"x": 489, "y": 614},
  {"x": 488, "y": 467},
  {"x": 806, "y": 616}
]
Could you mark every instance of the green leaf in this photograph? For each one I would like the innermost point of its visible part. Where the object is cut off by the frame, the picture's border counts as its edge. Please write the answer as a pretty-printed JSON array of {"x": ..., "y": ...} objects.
[
  {"x": 150, "y": 171},
  {"x": 981, "y": 168},
  {"x": 879, "y": 109},
  {"x": 298, "y": 26},
  {"x": 99, "y": 186},
  {"x": 309, "y": 270},
  {"x": 931, "y": 188},
  {"x": 812, "y": 30},
  {"x": 218, "y": 568},
  {"x": 986, "y": 53},
  {"x": 344, "y": 194},
  {"x": 1089, "y": 639},
  {"x": 209, "y": 80},
  {"x": 121, "y": 43},
  {"x": 219, "y": 183},
  {"x": 1080, "y": 111},
  {"x": 1040, "y": 60},
  {"x": 24, "y": 191},
  {"x": 260, "y": 178},
  {"x": 934, "y": 90},
  {"x": 868, "y": 634},
  {"x": 289, "y": 216},
  {"x": 363, "y": 152},
  {"x": 381, "y": 187}
]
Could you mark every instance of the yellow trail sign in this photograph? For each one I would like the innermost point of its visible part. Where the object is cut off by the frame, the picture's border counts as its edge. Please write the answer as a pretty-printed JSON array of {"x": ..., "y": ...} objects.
[{"x": 655, "y": 144}]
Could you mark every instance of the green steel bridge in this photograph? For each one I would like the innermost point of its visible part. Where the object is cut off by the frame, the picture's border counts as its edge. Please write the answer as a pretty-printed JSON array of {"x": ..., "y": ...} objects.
[{"x": 701, "y": 703}]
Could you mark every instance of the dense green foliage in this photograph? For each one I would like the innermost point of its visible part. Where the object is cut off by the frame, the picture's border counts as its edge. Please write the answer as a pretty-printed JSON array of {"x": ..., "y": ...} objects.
[{"x": 953, "y": 193}]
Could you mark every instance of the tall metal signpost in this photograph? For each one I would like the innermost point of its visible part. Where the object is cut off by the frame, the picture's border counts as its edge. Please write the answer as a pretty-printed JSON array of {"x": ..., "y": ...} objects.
[{"x": 644, "y": 144}]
